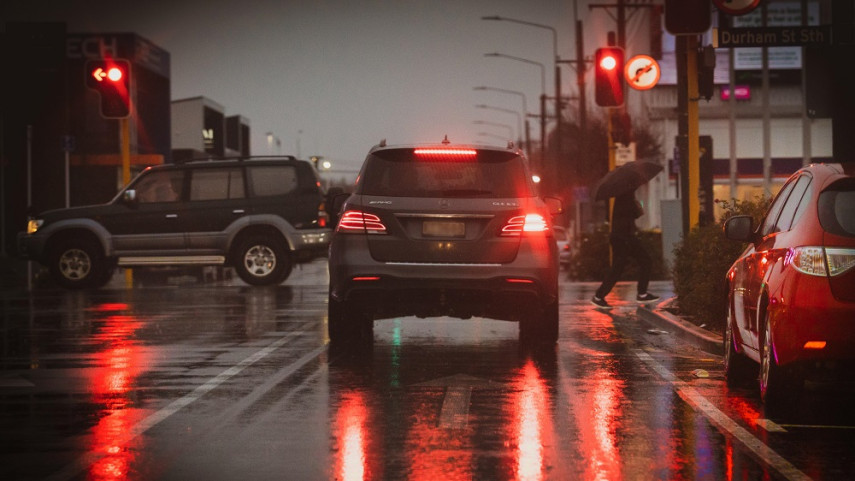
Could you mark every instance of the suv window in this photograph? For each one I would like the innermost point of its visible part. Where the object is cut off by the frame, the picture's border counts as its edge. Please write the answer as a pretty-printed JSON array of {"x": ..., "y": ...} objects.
[
  {"x": 272, "y": 180},
  {"x": 217, "y": 184},
  {"x": 160, "y": 186},
  {"x": 399, "y": 173}
]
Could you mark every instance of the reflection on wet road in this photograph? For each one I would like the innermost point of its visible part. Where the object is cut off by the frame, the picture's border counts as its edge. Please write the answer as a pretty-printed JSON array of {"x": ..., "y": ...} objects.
[{"x": 232, "y": 382}]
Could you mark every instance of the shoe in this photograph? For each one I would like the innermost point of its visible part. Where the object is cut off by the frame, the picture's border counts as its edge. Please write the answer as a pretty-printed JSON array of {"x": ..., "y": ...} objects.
[
  {"x": 601, "y": 303},
  {"x": 646, "y": 297}
]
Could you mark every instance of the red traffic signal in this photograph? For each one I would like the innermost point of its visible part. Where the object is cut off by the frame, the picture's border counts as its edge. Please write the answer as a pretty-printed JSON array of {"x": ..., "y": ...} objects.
[
  {"x": 608, "y": 76},
  {"x": 112, "y": 80}
]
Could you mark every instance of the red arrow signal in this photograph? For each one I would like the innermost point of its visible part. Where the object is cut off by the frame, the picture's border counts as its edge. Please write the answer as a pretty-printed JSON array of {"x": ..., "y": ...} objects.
[{"x": 114, "y": 74}]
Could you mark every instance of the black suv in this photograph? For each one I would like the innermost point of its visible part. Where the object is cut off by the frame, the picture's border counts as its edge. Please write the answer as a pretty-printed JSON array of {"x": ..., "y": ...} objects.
[
  {"x": 258, "y": 215},
  {"x": 444, "y": 230}
]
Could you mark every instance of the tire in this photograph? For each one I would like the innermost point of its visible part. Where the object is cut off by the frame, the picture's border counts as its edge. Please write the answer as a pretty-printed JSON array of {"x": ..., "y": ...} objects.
[
  {"x": 345, "y": 324},
  {"x": 544, "y": 329},
  {"x": 262, "y": 260},
  {"x": 738, "y": 369},
  {"x": 78, "y": 264},
  {"x": 778, "y": 386}
]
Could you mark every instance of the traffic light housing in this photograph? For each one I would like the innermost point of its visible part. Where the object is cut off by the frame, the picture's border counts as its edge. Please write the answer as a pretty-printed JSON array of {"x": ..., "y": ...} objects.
[
  {"x": 112, "y": 80},
  {"x": 706, "y": 72},
  {"x": 608, "y": 76},
  {"x": 687, "y": 17}
]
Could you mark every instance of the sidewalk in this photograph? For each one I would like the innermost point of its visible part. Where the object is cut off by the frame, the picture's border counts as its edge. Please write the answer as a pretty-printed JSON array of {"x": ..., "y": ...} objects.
[{"x": 701, "y": 338}]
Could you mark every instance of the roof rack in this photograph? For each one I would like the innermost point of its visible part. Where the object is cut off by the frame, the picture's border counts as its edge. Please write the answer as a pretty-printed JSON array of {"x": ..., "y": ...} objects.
[{"x": 239, "y": 158}]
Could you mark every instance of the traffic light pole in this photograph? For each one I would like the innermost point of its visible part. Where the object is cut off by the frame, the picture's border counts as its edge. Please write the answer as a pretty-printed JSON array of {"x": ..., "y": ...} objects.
[
  {"x": 125, "y": 134},
  {"x": 687, "y": 129}
]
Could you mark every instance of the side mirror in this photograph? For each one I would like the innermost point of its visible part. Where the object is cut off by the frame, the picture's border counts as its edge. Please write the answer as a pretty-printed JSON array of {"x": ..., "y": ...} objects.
[
  {"x": 740, "y": 228},
  {"x": 129, "y": 197},
  {"x": 554, "y": 205}
]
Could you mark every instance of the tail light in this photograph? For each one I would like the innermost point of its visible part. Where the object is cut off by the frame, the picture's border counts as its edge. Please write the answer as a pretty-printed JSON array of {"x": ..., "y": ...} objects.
[
  {"x": 323, "y": 216},
  {"x": 529, "y": 223},
  {"x": 821, "y": 261},
  {"x": 358, "y": 222}
]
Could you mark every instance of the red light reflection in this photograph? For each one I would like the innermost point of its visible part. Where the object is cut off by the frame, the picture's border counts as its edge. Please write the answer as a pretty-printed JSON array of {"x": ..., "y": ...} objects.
[
  {"x": 531, "y": 424},
  {"x": 350, "y": 432},
  {"x": 112, "y": 383}
]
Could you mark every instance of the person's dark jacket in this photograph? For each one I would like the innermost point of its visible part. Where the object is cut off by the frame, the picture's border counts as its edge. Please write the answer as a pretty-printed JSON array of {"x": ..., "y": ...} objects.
[{"x": 626, "y": 210}]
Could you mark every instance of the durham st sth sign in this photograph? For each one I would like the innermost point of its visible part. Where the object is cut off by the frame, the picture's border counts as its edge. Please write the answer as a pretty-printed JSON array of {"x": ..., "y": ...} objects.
[{"x": 772, "y": 36}]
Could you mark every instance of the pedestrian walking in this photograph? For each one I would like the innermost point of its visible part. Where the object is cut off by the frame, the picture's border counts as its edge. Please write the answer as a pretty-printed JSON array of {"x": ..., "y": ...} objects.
[{"x": 625, "y": 246}]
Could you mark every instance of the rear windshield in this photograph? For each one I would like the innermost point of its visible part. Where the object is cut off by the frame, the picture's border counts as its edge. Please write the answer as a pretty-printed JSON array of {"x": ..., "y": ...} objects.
[
  {"x": 401, "y": 173},
  {"x": 837, "y": 208}
]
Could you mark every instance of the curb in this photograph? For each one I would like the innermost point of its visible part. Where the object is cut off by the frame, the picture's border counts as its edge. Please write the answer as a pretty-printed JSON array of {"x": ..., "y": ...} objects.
[{"x": 701, "y": 338}]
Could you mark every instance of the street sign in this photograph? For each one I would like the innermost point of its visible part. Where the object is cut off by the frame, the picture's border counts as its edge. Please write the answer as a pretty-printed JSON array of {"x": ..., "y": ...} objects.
[
  {"x": 624, "y": 153},
  {"x": 642, "y": 72},
  {"x": 772, "y": 36}
]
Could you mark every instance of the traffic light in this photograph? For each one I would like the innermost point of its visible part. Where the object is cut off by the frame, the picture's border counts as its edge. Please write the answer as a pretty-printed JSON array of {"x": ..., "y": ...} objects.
[
  {"x": 706, "y": 72},
  {"x": 608, "y": 76},
  {"x": 687, "y": 17},
  {"x": 112, "y": 80}
]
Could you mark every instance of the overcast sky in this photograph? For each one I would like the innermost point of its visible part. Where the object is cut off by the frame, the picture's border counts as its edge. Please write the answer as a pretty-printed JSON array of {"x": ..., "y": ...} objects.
[{"x": 333, "y": 77}]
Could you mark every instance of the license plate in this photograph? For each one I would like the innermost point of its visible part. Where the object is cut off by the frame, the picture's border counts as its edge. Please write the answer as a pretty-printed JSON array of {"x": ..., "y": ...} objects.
[{"x": 431, "y": 228}]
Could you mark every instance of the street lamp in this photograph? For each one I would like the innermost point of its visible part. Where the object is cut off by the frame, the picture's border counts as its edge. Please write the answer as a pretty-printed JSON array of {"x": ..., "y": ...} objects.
[
  {"x": 509, "y": 111},
  {"x": 556, "y": 60},
  {"x": 525, "y": 113},
  {"x": 271, "y": 140},
  {"x": 542, "y": 99},
  {"x": 496, "y": 124}
]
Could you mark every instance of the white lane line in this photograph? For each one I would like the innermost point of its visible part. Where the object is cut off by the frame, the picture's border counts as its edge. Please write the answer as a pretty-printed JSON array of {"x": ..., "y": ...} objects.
[
  {"x": 718, "y": 418},
  {"x": 770, "y": 426},
  {"x": 82, "y": 463}
]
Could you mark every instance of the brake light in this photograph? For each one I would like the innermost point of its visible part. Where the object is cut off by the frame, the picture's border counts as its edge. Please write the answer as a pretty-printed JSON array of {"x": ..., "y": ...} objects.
[
  {"x": 358, "y": 222},
  {"x": 525, "y": 223},
  {"x": 323, "y": 217},
  {"x": 450, "y": 153}
]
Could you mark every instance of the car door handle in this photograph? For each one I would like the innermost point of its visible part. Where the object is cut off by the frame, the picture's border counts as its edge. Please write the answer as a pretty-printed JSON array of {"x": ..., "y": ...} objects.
[
  {"x": 238, "y": 211},
  {"x": 171, "y": 216}
]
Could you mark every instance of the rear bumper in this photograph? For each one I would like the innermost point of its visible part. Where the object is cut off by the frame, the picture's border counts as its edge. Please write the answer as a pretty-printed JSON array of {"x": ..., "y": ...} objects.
[
  {"x": 810, "y": 313},
  {"x": 507, "y": 291}
]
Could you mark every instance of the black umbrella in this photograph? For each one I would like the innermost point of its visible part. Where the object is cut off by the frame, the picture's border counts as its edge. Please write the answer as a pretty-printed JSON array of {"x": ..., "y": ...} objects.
[{"x": 625, "y": 179}]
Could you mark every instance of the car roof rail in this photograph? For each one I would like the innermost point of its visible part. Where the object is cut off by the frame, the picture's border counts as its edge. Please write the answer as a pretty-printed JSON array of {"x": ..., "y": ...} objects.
[{"x": 239, "y": 158}]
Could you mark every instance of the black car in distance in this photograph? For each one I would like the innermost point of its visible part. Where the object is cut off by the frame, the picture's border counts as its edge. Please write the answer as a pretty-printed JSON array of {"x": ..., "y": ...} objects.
[{"x": 444, "y": 230}]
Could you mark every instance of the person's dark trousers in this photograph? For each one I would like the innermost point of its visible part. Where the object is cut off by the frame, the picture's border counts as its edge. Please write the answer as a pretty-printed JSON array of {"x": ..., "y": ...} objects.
[{"x": 624, "y": 247}]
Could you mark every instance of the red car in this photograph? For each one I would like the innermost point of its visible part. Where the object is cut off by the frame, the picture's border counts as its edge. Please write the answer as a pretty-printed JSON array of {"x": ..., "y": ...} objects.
[{"x": 792, "y": 291}]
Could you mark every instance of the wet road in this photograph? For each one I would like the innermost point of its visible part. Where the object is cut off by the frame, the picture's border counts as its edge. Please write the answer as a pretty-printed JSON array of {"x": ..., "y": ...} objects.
[{"x": 231, "y": 382}]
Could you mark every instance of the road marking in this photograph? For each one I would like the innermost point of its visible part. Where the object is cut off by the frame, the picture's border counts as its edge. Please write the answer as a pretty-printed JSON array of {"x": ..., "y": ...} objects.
[
  {"x": 82, "y": 463},
  {"x": 815, "y": 426},
  {"x": 455, "y": 408},
  {"x": 718, "y": 418},
  {"x": 458, "y": 391},
  {"x": 770, "y": 426}
]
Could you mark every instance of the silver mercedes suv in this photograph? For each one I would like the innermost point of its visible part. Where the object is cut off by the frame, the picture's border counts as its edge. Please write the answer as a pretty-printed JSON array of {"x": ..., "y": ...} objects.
[{"x": 444, "y": 230}]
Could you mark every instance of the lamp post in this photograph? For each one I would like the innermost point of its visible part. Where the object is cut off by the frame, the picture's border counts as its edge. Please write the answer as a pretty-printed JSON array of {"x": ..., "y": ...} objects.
[
  {"x": 497, "y": 124},
  {"x": 525, "y": 113},
  {"x": 508, "y": 111},
  {"x": 542, "y": 99},
  {"x": 271, "y": 141},
  {"x": 553, "y": 172}
]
